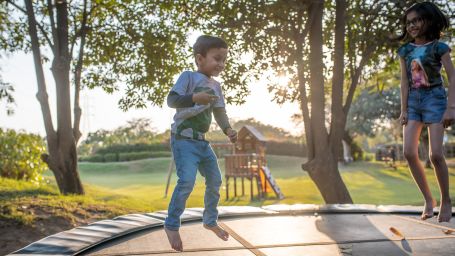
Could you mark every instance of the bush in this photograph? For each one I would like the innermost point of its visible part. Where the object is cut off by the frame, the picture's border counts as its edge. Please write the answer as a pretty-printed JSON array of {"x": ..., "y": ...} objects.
[
  {"x": 112, "y": 157},
  {"x": 94, "y": 158},
  {"x": 133, "y": 156},
  {"x": 127, "y": 148},
  {"x": 161, "y": 154},
  {"x": 285, "y": 148},
  {"x": 20, "y": 155},
  {"x": 122, "y": 157}
]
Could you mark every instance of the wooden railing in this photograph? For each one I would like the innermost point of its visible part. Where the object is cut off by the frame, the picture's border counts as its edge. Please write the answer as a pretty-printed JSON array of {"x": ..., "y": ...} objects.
[{"x": 244, "y": 166}]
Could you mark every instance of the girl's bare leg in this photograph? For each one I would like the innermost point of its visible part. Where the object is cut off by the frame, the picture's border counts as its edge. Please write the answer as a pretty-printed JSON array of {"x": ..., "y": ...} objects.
[
  {"x": 436, "y": 132},
  {"x": 411, "y": 134}
]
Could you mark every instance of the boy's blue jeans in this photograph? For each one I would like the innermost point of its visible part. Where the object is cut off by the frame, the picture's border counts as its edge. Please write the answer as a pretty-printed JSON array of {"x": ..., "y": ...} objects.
[{"x": 189, "y": 156}]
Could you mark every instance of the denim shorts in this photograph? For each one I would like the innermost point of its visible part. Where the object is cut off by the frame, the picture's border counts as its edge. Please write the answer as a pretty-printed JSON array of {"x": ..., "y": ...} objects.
[{"x": 427, "y": 105}]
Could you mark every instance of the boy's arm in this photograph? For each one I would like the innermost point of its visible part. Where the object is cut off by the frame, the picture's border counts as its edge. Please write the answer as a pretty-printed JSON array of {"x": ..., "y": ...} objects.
[
  {"x": 223, "y": 121},
  {"x": 178, "y": 97},
  {"x": 221, "y": 118},
  {"x": 175, "y": 100}
]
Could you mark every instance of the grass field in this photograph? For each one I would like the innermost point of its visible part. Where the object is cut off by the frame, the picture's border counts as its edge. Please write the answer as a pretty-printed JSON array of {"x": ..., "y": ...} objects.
[{"x": 140, "y": 184}]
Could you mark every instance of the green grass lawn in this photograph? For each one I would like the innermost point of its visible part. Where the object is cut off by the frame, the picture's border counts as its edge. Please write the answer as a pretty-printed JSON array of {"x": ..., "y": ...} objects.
[
  {"x": 114, "y": 189},
  {"x": 140, "y": 184},
  {"x": 118, "y": 188}
]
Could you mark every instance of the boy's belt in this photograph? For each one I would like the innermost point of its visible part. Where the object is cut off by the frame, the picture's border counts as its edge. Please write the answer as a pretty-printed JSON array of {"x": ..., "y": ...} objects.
[{"x": 181, "y": 137}]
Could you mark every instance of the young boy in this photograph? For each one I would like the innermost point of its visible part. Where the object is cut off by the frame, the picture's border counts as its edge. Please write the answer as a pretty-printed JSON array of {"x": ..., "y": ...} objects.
[{"x": 196, "y": 95}]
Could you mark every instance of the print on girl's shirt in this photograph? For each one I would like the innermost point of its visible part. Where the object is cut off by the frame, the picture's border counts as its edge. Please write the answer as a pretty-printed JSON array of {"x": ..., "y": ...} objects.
[{"x": 419, "y": 76}]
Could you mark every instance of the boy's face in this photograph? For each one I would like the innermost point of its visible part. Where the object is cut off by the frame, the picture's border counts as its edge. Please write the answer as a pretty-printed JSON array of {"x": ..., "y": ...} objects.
[{"x": 213, "y": 62}]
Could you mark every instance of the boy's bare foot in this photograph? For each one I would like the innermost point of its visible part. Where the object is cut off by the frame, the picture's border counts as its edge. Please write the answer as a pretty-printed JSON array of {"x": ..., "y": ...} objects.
[
  {"x": 221, "y": 233},
  {"x": 428, "y": 210},
  {"x": 445, "y": 211},
  {"x": 174, "y": 239}
]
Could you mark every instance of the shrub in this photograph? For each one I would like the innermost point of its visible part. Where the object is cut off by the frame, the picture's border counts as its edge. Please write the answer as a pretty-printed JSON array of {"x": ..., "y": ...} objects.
[
  {"x": 20, "y": 155},
  {"x": 285, "y": 148},
  {"x": 133, "y": 156},
  {"x": 94, "y": 158},
  {"x": 112, "y": 157},
  {"x": 127, "y": 148},
  {"x": 123, "y": 157}
]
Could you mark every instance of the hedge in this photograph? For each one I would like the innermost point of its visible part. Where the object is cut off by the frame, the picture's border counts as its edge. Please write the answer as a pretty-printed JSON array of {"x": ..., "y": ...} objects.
[
  {"x": 127, "y": 148},
  {"x": 122, "y": 157}
]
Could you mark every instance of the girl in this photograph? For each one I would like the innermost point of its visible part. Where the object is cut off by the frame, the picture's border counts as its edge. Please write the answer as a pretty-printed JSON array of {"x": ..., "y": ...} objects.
[{"x": 423, "y": 98}]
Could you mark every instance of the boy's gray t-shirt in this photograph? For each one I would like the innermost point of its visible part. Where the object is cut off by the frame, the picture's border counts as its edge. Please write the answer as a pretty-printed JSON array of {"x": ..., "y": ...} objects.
[{"x": 194, "y": 121}]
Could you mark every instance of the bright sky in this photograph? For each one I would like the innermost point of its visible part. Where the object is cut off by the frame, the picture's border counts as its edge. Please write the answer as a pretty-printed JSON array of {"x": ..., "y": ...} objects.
[{"x": 100, "y": 110}]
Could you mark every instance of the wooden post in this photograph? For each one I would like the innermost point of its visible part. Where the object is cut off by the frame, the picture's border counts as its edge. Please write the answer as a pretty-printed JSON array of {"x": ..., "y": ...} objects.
[
  {"x": 227, "y": 187},
  {"x": 243, "y": 186},
  {"x": 251, "y": 188},
  {"x": 235, "y": 186},
  {"x": 259, "y": 186},
  {"x": 169, "y": 175}
]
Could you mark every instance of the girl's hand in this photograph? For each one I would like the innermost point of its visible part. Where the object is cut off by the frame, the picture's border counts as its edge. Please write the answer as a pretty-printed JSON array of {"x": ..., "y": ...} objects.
[
  {"x": 403, "y": 118},
  {"x": 232, "y": 134},
  {"x": 449, "y": 117},
  {"x": 204, "y": 98}
]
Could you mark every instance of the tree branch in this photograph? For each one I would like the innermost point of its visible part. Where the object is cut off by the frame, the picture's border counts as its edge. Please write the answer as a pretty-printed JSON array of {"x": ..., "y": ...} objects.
[
  {"x": 42, "y": 91},
  {"x": 77, "y": 76},
  {"x": 300, "y": 40},
  {"x": 50, "y": 9},
  {"x": 41, "y": 28},
  {"x": 355, "y": 77}
]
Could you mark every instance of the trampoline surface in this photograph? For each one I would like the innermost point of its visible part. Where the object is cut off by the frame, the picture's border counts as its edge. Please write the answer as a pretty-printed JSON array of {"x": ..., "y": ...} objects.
[{"x": 272, "y": 230}]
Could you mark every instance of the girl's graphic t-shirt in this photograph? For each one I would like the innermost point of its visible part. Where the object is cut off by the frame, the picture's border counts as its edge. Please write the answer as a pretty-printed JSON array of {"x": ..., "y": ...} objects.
[{"x": 423, "y": 63}]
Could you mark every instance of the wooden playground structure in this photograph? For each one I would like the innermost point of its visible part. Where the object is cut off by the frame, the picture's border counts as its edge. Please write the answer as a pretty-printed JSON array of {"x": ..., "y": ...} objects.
[{"x": 245, "y": 160}]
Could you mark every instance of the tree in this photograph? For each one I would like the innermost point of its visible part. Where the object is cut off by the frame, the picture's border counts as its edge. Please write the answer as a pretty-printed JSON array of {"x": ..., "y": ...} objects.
[
  {"x": 294, "y": 39},
  {"x": 372, "y": 111},
  {"x": 93, "y": 43},
  {"x": 136, "y": 131},
  {"x": 6, "y": 94}
]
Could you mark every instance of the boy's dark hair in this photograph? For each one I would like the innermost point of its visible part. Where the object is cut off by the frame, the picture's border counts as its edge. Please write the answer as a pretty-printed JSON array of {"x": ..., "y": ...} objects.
[
  {"x": 204, "y": 43},
  {"x": 433, "y": 19}
]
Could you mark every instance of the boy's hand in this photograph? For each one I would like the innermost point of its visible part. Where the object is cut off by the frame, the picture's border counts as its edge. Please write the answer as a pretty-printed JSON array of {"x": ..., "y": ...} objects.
[
  {"x": 232, "y": 134},
  {"x": 204, "y": 98},
  {"x": 449, "y": 117}
]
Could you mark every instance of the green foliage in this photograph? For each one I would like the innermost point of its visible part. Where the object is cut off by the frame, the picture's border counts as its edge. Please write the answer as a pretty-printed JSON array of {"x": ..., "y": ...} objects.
[
  {"x": 112, "y": 157},
  {"x": 121, "y": 157},
  {"x": 373, "y": 110},
  {"x": 133, "y": 156},
  {"x": 140, "y": 44},
  {"x": 6, "y": 94},
  {"x": 20, "y": 155},
  {"x": 137, "y": 135},
  {"x": 128, "y": 148},
  {"x": 284, "y": 148}
]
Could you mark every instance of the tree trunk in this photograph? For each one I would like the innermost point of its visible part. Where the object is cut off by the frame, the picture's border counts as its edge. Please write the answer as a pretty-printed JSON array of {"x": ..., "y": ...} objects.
[
  {"x": 62, "y": 158},
  {"x": 323, "y": 167}
]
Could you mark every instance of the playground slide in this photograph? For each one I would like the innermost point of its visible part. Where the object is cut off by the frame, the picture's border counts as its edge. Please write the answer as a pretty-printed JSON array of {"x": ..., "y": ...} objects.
[{"x": 266, "y": 174}]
